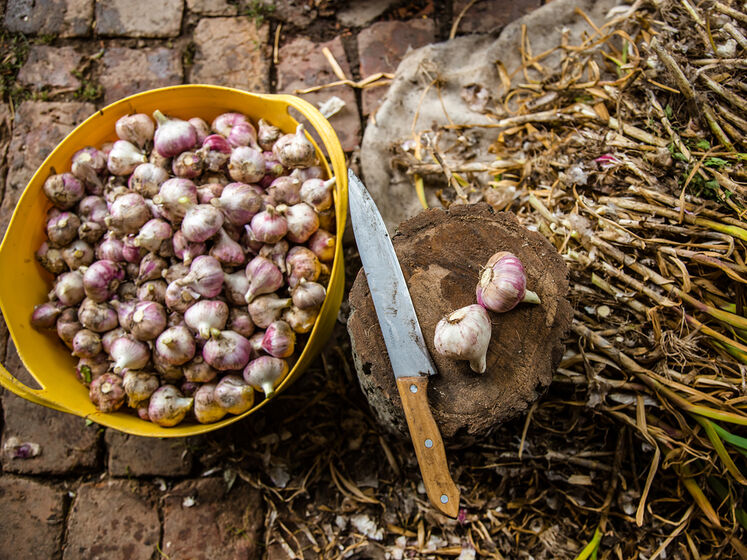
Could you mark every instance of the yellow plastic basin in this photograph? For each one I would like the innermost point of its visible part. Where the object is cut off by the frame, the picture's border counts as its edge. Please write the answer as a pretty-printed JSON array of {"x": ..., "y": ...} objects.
[{"x": 24, "y": 283}]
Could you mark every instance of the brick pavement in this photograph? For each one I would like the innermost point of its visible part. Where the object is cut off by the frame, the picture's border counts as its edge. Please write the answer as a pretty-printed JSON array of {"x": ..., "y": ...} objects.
[{"x": 70, "y": 490}]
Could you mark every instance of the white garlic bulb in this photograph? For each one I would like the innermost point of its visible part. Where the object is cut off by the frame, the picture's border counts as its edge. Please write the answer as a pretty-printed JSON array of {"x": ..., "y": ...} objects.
[{"x": 465, "y": 335}]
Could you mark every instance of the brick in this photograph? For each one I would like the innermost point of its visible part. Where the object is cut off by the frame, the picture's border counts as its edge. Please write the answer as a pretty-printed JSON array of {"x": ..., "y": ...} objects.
[
  {"x": 358, "y": 14},
  {"x": 65, "y": 443},
  {"x": 128, "y": 71},
  {"x": 31, "y": 517},
  {"x": 212, "y": 7},
  {"x": 216, "y": 525},
  {"x": 298, "y": 13},
  {"x": 231, "y": 52},
  {"x": 62, "y": 18},
  {"x": 139, "y": 18},
  {"x": 143, "y": 456},
  {"x": 382, "y": 46},
  {"x": 302, "y": 65},
  {"x": 490, "y": 16},
  {"x": 50, "y": 67},
  {"x": 37, "y": 129},
  {"x": 112, "y": 519}
]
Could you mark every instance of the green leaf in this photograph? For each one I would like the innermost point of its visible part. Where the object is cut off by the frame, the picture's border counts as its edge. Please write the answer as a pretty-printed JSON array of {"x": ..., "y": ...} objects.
[
  {"x": 668, "y": 111},
  {"x": 703, "y": 144},
  {"x": 716, "y": 162},
  {"x": 86, "y": 372}
]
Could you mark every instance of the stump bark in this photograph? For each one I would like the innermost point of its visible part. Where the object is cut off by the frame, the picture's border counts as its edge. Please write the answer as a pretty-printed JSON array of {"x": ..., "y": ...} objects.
[{"x": 441, "y": 253}]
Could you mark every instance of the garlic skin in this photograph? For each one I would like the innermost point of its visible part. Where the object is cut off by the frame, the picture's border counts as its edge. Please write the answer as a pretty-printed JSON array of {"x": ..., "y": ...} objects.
[
  {"x": 107, "y": 393},
  {"x": 139, "y": 386},
  {"x": 227, "y": 351},
  {"x": 167, "y": 406},
  {"x": 198, "y": 370},
  {"x": 301, "y": 320},
  {"x": 173, "y": 136},
  {"x": 308, "y": 295},
  {"x": 86, "y": 344},
  {"x": 175, "y": 197},
  {"x": 267, "y": 134},
  {"x": 246, "y": 165},
  {"x": 279, "y": 339},
  {"x": 264, "y": 278},
  {"x": 147, "y": 179},
  {"x": 465, "y": 335},
  {"x": 64, "y": 190},
  {"x": 265, "y": 373},
  {"x": 234, "y": 394},
  {"x": 295, "y": 150},
  {"x": 201, "y": 222},
  {"x": 44, "y": 315},
  {"x": 266, "y": 309},
  {"x": 318, "y": 193},
  {"x": 78, "y": 254},
  {"x": 128, "y": 353},
  {"x": 148, "y": 320},
  {"x": 137, "y": 129},
  {"x": 502, "y": 284},
  {"x": 206, "y": 408},
  {"x": 124, "y": 158},
  {"x": 207, "y": 317},
  {"x": 176, "y": 346}
]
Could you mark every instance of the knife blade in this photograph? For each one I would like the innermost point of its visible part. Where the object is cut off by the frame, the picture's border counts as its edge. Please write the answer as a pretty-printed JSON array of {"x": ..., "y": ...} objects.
[{"x": 408, "y": 354}]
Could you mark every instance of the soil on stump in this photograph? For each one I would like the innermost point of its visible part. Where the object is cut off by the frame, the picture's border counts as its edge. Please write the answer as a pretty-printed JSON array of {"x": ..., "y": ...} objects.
[{"x": 441, "y": 253}]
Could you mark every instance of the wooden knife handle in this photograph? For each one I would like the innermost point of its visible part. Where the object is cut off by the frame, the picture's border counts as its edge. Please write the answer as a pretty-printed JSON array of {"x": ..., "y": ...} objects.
[{"x": 429, "y": 447}]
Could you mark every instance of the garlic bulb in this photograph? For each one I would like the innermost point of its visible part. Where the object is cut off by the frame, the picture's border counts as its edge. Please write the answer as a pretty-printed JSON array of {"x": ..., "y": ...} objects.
[
  {"x": 106, "y": 392},
  {"x": 206, "y": 408},
  {"x": 503, "y": 283},
  {"x": 234, "y": 394},
  {"x": 167, "y": 406},
  {"x": 465, "y": 335},
  {"x": 265, "y": 373}
]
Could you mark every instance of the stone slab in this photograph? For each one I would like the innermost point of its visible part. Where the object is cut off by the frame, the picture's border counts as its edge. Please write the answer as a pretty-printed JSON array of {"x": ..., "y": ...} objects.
[
  {"x": 381, "y": 48},
  {"x": 50, "y": 67},
  {"x": 212, "y": 7},
  {"x": 490, "y": 16},
  {"x": 128, "y": 71},
  {"x": 65, "y": 444},
  {"x": 202, "y": 521},
  {"x": 112, "y": 519},
  {"x": 61, "y": 18},
  {"x": 231, "y": 52},
  {"x": 358, "y": 14},
  {"x": 139, "y": 18},
  {"x": 298, "y": 13},
  {"x": 302, "y": 64},
  {"x": 143, "y": 456},
  {"x": 31, "y": 518},
  {"x": 37, "y": 129}
]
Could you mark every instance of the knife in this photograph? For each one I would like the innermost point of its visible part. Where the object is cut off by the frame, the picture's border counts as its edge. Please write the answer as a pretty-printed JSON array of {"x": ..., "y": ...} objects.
[{"x": 408, "y": 354}]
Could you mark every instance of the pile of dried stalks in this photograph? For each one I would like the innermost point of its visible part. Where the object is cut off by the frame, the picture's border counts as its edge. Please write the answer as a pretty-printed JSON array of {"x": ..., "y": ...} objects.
[{"x": 627, "y": 157}]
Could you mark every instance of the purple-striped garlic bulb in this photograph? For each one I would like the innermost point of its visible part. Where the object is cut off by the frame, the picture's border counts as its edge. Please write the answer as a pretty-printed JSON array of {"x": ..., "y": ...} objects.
[
  {"x": 295, "y": 150},
  {"x": 128, "y": 353},
  {"x": 173, "y": 136},
  {"x": 107, "y": 393},
  {"x": 227, "y": 351},
  {"x": 502, "y": 284},
  {"x": 264, "y": 278},
  {"x": 279, "y": 339}
]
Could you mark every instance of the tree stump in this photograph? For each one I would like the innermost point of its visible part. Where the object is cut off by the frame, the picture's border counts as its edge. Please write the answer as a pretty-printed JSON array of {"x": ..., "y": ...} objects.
[{"x": 441, "y": 253}]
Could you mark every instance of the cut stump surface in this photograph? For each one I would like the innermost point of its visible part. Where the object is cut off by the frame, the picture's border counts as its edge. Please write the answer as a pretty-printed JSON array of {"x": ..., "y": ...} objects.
[{"x": 441, "y": 253}]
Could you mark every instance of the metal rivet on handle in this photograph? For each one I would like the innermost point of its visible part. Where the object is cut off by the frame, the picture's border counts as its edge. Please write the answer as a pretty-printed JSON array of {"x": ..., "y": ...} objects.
[
  {"x": 444, "y": 499},
  {"x": 429, "y": 443},
  {"x": 413, "y": 388}
]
